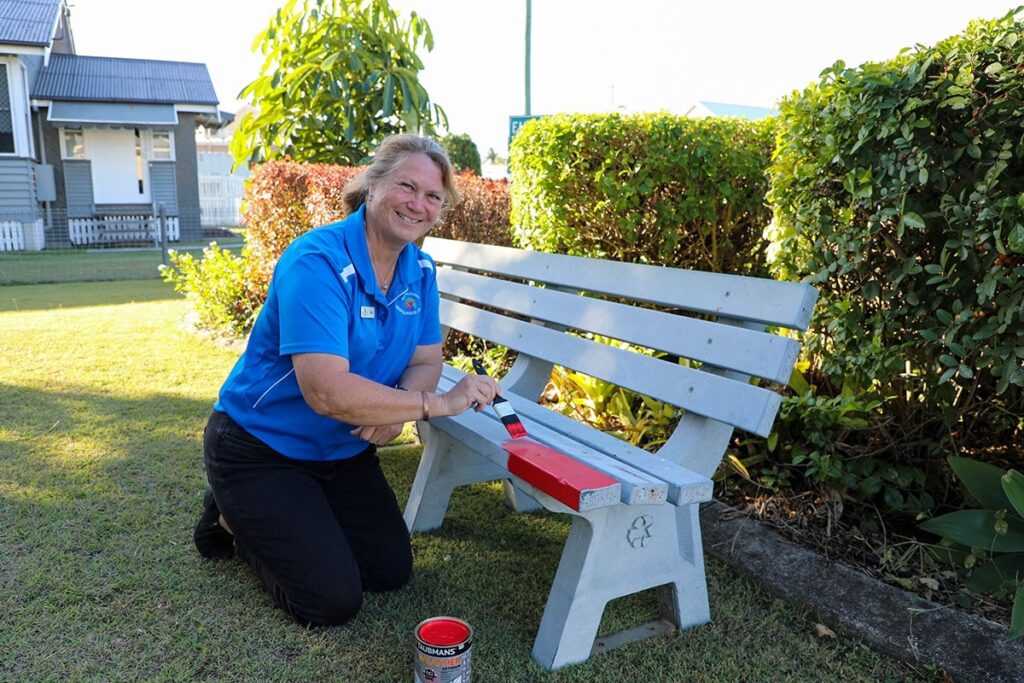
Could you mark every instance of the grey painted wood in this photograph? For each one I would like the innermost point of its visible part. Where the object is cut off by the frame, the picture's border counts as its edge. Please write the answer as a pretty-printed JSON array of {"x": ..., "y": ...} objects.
[
  {"x": 684, "y": 485},
  {"x": 763, "y": 355},
  {"x": 17, "y": 193},
  {"x": 78, "y": 189},
  {"x": 785, "y": 304},
  {"x": 740, "y": 404},
  {"x": 637, "y": 487},
  {"x": 163, "y": 186}
]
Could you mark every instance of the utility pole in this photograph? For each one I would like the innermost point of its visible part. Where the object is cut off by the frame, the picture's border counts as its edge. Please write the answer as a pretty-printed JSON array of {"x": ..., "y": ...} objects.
[{"x": 528, "y": 23}]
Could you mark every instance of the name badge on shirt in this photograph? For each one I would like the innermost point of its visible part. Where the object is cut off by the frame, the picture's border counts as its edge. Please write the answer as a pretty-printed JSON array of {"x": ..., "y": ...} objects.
[{"x": 366, "y": 311}]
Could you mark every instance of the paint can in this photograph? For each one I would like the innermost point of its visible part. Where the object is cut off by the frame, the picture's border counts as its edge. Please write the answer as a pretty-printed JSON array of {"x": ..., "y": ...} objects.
[{"x": 444, "y": 646}]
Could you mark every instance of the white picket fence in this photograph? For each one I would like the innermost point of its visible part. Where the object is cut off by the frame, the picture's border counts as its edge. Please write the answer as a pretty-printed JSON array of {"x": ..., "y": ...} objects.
[
  {"x": 113, "y": 229},
  {"x": 15, "y": 237},
  {"x": 220, "y": 200}
]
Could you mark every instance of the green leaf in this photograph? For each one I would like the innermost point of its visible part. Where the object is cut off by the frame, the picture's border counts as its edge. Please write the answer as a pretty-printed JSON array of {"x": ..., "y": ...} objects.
[
  {"x": 976, "y": 529},
  {"x": 1013, "y": 486},
  {"x": 1017, "y": 615},
  {"x": 1015, "y": 240},
  {"x": 913, "y": 220},
  {"x": 996, "y": 573},
  {"x": 982, "y": 481}
]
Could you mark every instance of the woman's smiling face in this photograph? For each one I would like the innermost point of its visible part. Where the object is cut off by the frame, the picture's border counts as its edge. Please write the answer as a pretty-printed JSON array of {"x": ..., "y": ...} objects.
[{"x": 404, "y": 206}]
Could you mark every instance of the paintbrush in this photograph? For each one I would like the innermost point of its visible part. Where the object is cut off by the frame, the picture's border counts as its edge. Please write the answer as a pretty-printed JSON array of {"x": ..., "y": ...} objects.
[{"x": 503, "y": 408}]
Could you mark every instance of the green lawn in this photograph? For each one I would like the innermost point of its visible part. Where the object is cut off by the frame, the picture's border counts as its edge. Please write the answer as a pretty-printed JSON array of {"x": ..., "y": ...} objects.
[
  {"x": 103, "y": 397},
  {"x": 73, "y": 265}
]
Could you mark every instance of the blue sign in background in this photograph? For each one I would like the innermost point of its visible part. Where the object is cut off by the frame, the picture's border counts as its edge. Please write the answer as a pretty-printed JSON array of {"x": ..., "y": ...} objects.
[{"x": 516, "y": 122}]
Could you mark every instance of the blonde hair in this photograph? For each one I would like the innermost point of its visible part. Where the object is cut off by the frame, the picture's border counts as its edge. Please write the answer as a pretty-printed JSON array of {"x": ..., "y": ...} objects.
[{"x": 392, "y": 152}]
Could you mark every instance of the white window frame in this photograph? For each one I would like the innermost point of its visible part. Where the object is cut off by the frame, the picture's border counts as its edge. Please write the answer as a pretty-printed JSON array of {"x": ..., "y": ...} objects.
[
  {"x": 17, "y": 93},
  {"x": 64, "y": 143},
  {"x": 151, "y": 151}
]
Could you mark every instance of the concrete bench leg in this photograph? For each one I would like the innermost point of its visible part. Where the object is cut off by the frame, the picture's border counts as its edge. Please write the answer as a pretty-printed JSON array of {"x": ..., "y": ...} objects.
[
  {"x": 612, "y": 552},
  {"x": 684, "y": 601},
  {"x": 444, "y": 465},
  {"x": 518, "y": 499}
]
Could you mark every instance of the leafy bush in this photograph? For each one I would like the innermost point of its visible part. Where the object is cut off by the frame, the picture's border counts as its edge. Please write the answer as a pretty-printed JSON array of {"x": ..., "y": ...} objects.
[
  {"x": 645, "y": 188},
  {"x": 989, "y": 541},
  {"x": 483, "y": 214},
  {"x": 463, "y": 152},
  {"x": 215, "y": 286},
  {"x": 337, "y": 78},
  {"x": 284, "y": 199},
  {"x": 898, "y": 190}
]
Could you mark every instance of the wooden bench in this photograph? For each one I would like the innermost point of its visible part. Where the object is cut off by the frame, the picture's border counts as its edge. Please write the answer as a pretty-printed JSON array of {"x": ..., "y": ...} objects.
[{"x": 642, "y": 530}]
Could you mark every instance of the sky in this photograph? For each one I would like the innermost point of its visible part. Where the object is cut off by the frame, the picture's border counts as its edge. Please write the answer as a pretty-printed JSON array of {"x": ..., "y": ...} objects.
[{"x": 586, "y": 55}]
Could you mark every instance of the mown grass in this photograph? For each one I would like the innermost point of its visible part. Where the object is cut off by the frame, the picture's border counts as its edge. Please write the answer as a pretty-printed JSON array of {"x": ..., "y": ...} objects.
[
  {"x": 103, "y": 397},
  {"x": 76, "y": 264}
]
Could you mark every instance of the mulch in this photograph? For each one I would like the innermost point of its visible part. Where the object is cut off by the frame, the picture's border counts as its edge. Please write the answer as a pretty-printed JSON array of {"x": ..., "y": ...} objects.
[{"x": 887, "y": 547}]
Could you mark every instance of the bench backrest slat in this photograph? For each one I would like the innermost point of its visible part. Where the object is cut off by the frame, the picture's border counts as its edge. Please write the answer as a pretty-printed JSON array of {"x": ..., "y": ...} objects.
[
  {"x": 737, "y": 403},
  {"x": 784, "y": 304},
  {"x": 755, "y": 353}
]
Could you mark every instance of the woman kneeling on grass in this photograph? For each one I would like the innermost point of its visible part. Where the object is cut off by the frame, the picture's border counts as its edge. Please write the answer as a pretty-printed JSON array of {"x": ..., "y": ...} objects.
[{"x": 346, "y": 350}]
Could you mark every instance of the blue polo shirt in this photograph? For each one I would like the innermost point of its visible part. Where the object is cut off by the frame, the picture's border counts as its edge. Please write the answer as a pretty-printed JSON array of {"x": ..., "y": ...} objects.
[{"x": 324, "y": 298}]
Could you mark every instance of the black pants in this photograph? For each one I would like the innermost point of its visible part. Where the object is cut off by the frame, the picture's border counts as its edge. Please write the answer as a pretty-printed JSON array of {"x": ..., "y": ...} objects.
[{"x": 317, "y": 534}]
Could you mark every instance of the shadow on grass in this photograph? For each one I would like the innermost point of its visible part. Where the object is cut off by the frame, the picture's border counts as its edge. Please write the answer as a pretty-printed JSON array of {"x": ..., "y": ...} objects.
[
  {"x": 99, "y": 578},
  {"x": 60, "y": 295}
]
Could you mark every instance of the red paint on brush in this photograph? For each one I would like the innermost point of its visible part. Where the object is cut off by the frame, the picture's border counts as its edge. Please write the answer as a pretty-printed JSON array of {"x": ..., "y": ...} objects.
[
  {"x": 506, "y": 413},
  {"x": 563, "y": 478}
]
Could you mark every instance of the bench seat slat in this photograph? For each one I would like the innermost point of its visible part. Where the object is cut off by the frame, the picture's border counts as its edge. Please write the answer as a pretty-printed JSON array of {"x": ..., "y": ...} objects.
[
  {"x": 486, "y": 437},
  {"x": 754, "y": 353},
  {"x": 637, "y": 487},
  {"x": 684, "y": 485},
  {"x": 786, "y": 304},
  {"x": 737, "y": 403}
]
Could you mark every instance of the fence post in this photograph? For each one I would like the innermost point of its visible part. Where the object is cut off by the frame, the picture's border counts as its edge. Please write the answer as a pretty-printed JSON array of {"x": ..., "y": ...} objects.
[{"x": 166, "y": 258}]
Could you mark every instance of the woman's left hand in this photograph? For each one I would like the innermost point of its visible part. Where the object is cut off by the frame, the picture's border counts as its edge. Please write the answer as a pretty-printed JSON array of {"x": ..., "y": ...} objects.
[{"x": 378, "y": 436}]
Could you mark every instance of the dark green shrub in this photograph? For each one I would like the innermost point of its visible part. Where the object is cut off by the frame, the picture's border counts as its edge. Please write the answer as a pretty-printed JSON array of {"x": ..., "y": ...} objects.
[
  {"x": 987, "y": 541},
  {"x": 898, "y": 190},
  {"x": 646, "y": 188},
  {"x": 463, "y": 152}
]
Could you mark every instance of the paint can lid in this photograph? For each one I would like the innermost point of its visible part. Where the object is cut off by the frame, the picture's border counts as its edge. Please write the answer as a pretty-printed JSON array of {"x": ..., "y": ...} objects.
[{"x": 443, "y": 631}]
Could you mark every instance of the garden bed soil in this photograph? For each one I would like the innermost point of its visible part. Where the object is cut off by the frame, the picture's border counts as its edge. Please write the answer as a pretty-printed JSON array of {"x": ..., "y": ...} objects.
[{"x": 889, "y": 549}]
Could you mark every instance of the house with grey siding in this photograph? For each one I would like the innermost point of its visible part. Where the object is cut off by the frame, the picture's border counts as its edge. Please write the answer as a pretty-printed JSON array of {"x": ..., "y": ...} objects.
[{"x": 92, "y": 148}]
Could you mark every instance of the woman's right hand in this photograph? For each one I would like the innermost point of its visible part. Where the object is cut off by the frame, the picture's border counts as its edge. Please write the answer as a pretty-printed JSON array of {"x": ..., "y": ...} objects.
[{"x": 472, "y": 391}]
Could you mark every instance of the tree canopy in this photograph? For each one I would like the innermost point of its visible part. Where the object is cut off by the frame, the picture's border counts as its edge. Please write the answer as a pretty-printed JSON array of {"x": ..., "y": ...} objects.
[{"x": 338, "y": 77}]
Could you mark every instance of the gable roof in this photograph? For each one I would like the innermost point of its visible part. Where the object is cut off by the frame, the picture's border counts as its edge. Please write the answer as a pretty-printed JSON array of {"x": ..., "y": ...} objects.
[
  {"x": 28, "y": 22},
  {"x": 742, "y": 111},
  {"x": 109, "y": 79}
]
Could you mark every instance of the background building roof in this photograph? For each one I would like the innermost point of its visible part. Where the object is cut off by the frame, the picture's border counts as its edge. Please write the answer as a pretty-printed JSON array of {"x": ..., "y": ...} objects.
[
  {"x": 739, "y": 110},
  {"x": 28, "y": 22},
  {"x": 108, "y": 79}
]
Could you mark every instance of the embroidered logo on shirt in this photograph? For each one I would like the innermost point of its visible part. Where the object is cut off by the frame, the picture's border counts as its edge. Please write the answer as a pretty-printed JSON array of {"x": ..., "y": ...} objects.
[{"x": 408, "y": 304}]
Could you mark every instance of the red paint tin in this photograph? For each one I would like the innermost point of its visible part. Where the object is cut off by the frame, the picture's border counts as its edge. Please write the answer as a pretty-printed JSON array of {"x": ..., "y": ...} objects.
[{"x": 444, "y": 646}]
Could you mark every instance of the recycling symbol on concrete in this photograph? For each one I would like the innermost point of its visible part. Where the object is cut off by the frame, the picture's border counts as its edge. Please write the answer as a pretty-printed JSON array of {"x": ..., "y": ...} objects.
[{"x": 639, "y": 532}]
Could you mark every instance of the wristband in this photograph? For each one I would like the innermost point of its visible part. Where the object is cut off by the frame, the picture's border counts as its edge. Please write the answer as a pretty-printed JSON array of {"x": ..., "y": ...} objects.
[{"x": 426, "y": 407}]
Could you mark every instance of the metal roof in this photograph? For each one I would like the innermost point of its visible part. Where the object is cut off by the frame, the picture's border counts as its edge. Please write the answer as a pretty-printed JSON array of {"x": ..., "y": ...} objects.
[
  {"x": 28, "y": 22},
  {"x": 740, "y": 110},
  {"x": 109, "y": 79}
]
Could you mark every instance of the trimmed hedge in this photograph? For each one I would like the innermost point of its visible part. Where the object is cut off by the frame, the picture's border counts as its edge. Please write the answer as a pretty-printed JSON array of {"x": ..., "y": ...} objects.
[
  {"x": 646, "y": 188},
  {"x": 284, "y": 199},
  {"x": 898, "y": 189}
]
